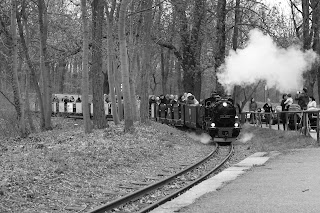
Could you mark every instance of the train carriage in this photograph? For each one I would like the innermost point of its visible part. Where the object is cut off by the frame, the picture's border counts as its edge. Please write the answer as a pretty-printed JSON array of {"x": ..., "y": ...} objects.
[
  {"x": 177, "y": 120},
  {"x": 191, "y": 113},
  {"x": 169, "y": 115}
]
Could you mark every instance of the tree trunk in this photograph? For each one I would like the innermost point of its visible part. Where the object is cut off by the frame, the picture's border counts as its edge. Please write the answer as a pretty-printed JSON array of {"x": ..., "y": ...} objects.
[
  {"x": 220, "y": 43},
  {"x": 305, "y": 25},
  {"x": 191, "y": 42},
  {"x": 315, "y": 5},
  {"x": 14, "y": 71},
  {"x": 179, "y": 79},
  {"x": 118, "y": 82},
  {"x": 62, "y": 70},
  {"x": 132, "y": 80},
  {"x": 309, "y": 76},
  {"x": 27, "y": 103},
  {"x": 44, "y": 68},
  {"x": 146, "y": 62},
  {"x": 25, "y": 42},
  {"x": 99, "y": 118},
  {"x": 236, "y": 89},
  {"x": 128, "y": 117},
  {"x": 85, "y": 67},
  {"x": 111, "y": 71}
]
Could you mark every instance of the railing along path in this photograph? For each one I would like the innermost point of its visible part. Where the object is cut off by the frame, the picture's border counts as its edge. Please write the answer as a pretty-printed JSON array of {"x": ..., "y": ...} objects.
[{"x": 302, "y": 121}]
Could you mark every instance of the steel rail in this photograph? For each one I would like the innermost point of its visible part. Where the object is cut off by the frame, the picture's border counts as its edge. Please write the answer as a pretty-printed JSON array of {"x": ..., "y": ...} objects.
[
  {"x": 139, "y": 193},
  {"x": 175, "y": 194}
]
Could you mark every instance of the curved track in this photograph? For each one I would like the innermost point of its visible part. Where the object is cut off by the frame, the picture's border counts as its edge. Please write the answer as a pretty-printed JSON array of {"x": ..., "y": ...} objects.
[{"x": 134, "y": 196}]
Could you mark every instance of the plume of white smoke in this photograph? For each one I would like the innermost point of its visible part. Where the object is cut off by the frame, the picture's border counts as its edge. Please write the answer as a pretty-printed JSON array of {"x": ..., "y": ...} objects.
[
  {"x": 246, "y": 137},
  {"x": 262, "y": 59},
  {"x": 203, "y": 138}
]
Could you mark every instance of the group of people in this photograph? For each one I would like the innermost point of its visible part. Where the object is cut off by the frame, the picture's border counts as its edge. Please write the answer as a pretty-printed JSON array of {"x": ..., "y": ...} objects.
[
  {"x": 304, "y": 101},
  {"x": 186, "y": 98},
  {"x": 66, "y": 99}
]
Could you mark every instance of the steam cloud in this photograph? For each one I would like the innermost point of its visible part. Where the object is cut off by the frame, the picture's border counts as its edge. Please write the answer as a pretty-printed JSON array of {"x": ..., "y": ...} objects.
[
  {"x": 246, "y": 137},
  {"x": 203, "y": 138},
  {"x": 262, "y": 59}
]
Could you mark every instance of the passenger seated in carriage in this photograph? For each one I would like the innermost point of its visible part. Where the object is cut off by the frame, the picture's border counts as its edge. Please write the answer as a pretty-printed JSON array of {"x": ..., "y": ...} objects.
[
  {"x": 65, "y": 100},
  {"x": 55, "y": 99},
  {"x": 181, "y": 99},
  {"x": 303, "y": 98},
  {"x": 163, "y": 99},
  {"x": 191, "y": 100},
  {"x": 172, "y": 99},
  {"x": 72, "y": 99}
]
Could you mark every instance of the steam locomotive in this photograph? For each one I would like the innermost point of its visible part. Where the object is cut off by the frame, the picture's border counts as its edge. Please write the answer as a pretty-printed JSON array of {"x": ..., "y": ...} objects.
[{"x": 219, "y": 118}]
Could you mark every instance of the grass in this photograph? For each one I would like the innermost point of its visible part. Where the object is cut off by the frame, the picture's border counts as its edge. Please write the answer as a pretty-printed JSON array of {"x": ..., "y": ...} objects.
[{"x": 266, "y": 140}]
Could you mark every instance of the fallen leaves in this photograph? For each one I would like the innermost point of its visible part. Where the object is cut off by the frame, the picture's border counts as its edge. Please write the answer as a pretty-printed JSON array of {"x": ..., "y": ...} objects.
[{"x": 65, "y": 170}]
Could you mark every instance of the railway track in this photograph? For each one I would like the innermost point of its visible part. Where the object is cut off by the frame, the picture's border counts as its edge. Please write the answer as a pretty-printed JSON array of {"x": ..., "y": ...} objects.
[{"x": 157, "y": 193}]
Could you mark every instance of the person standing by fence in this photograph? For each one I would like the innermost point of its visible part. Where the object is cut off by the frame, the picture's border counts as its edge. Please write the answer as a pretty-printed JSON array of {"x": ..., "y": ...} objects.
[
  {"x": 283, "y": 109},
  {"x": 312, "y": 103},
  {"x": 267, "y": 109},
  {"x": 253, "y": 108},
  {"x": 303, "y": 98}
]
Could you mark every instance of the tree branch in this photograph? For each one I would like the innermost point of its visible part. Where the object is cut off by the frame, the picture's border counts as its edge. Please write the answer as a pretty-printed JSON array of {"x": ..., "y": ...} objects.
[
  {"x": 7, "y": 98},
  {"x": 169, "y": 46}
]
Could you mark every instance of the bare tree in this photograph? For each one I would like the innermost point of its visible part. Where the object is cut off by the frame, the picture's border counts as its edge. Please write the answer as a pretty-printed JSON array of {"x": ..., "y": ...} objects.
[
  {"x": 235, "y": 37},
  {"x": 85, "y": 67},
  {"x": 99, "y": 118},
  {"x": 191, "y": 43},
  {"x": 111, "y": 71},
  {"x": 146, "y": 67},
  {"x": 44, "y": 64},
  {"x": 128, "y": 117},
  {"x": 14, "y": 71},
  {"x": 220, "y": 42},
  {"x": 25, "y": 43}
]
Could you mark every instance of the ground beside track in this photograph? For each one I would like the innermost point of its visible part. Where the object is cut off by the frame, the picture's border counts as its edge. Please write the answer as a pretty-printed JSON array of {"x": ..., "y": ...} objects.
[
  {"x": 248, "y": 186},
  {"x": 65, "y": 170},
  {"x": 286, "y": 183}
]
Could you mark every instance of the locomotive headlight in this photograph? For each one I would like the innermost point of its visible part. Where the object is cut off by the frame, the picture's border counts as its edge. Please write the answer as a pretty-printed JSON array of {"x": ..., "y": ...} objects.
[
  {"x": 224, "y": 104},
  {"x": 236, "y": 125},
  {"x": 213, "y": 124}
]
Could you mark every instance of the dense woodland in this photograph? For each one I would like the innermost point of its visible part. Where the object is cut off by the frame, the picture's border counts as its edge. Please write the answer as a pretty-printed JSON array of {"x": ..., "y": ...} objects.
[{"x": 136, "y": 48}]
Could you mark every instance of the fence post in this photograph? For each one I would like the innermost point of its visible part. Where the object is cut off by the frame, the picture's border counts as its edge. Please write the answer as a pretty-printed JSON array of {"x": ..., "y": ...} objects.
[
  {"x": 318, "y": 127},
  {"x": 304, "y": 123},
  {"x": 295, "y": 121},
  {"x": 286, "y": 124},
  {"x": 278, "y": 118},
  {"x": 270, "y": 118}
]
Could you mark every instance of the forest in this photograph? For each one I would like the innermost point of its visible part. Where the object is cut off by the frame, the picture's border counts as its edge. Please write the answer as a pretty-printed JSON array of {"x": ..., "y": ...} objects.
[{"x": 138, "y": 48}]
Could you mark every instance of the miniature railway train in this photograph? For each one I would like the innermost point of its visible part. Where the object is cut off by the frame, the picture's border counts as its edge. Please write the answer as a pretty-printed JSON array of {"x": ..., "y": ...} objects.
[{"x": 219, "y": 118}]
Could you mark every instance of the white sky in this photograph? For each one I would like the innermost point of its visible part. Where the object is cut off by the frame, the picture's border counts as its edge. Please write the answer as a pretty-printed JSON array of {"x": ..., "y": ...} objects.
[{"x": 284, "y": 4}]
